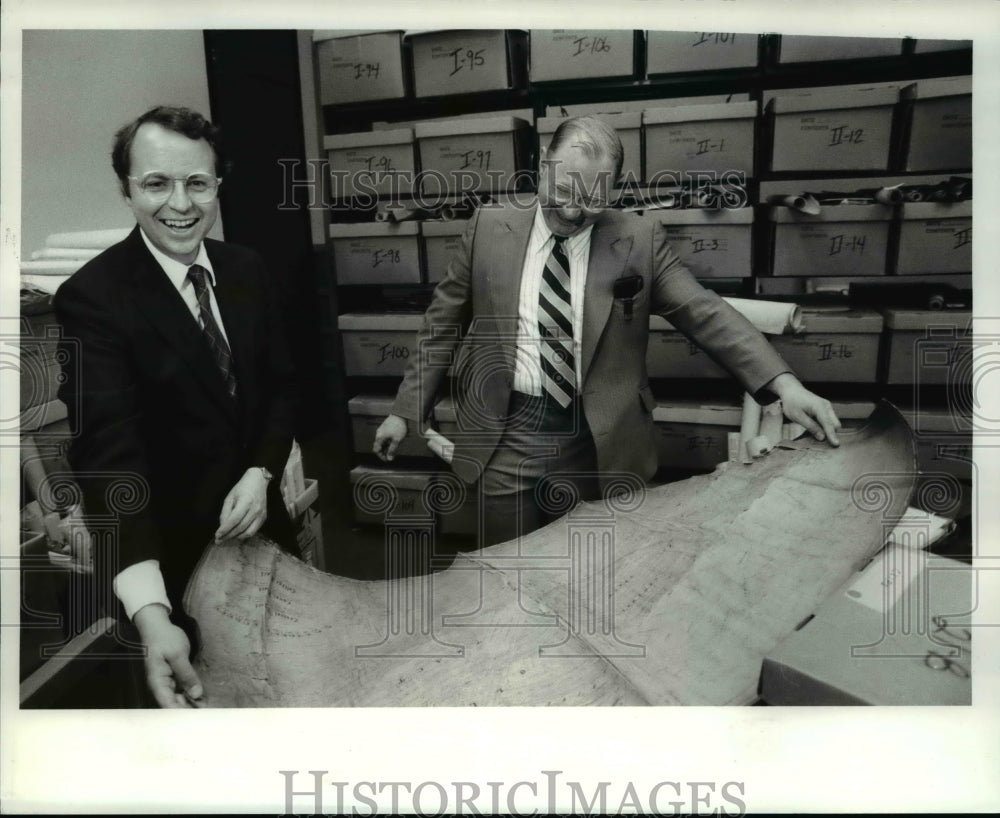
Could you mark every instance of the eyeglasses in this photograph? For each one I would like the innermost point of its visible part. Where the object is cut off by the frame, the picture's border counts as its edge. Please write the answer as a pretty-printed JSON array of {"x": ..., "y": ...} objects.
[{"x": 201, "y": 188}]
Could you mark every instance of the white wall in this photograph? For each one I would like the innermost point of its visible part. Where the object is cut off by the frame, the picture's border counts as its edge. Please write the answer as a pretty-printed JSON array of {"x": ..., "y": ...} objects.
[{"x": 79, "y": 87}]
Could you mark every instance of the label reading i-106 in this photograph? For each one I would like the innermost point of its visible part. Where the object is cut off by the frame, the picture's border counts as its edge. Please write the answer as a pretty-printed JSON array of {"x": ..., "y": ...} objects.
[{"x": 584, "y": 46}]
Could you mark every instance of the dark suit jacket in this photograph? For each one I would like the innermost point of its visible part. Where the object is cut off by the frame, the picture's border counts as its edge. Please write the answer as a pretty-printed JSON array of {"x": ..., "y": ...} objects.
[
  {"x": 472, "y": 322},
  {"x": 151, "y": 407}
]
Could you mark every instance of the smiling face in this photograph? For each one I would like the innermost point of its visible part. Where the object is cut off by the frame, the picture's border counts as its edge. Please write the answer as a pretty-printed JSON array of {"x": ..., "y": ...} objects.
[
  {"x": 177, "y": 226},
  {"x": 573, "y": 188}
]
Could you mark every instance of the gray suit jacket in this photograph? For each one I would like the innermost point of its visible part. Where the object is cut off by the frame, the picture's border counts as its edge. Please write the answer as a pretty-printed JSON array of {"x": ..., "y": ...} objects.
[{"x": 472, "y": 324}]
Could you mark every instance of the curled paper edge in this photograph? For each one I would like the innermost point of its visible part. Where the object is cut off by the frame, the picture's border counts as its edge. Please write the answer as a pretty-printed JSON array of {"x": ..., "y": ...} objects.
[{"x": 440, "y": 445}]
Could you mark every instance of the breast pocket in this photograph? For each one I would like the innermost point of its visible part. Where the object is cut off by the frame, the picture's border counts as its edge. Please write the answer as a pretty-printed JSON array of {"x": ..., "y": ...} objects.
[{"x": 640, "y": 306}]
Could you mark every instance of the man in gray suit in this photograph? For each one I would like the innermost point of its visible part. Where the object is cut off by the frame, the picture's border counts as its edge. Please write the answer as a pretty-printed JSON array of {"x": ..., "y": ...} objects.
[{"x": 544, "y": 313}]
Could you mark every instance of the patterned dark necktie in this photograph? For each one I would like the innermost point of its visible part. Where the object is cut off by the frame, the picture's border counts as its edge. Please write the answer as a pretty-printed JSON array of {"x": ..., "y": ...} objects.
[
  {"x": 213, "y": 335},
  {"x": 555, "y": 326}
]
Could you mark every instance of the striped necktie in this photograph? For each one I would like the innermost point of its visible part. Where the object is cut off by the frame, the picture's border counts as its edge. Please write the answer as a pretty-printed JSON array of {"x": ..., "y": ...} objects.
[
  {"x": 555, "y": 327},
  {"x": 213, "y": 335}
]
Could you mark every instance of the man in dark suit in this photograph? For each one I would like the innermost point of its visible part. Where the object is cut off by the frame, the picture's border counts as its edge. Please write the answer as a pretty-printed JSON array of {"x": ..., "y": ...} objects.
[
  {"x": 181, "y": 390},
  {"x": 544, "y": 312}
]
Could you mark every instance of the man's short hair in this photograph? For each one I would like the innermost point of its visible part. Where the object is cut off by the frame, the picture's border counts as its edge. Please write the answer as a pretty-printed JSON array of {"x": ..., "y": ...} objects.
[
  {"x": 184, "y": 121},
  {"x": 591, "y": 135}
]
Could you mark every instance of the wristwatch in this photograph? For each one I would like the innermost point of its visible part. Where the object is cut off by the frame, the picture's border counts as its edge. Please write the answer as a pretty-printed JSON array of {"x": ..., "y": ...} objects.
[{"x": 266, "y": 472}]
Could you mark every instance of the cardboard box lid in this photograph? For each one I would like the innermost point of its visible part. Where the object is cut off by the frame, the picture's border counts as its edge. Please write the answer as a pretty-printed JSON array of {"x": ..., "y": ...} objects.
[
  {"x": 460, "y": 32},
  {"x": 896, "y": 86},
  {"x": 385, "y": 321},
  {"x": 939, "y": 87},
  {"x": 343, "y": 33},
  {"x": 370, "y": 405},
  {"x": 408, "y": 481},
  {"x": 368, "y": 229},
  {"x": 818, "y": 320},
  {"x": 709, "y": 414},
  {"x": 619, "y": 121},
  {"x": 937, "y": 210},
  {"x": 468, "y": 127},
  {"x": 827, "y": 99},
  {"x": 365, "y": 139},
  {"x": 694, "y": 113},
  {"x": 832, "y": 213},
  {"x": 639, "y": 105},
  {"x": 443, "y": 227},
  {"x": 694, "y": 215},
  {"x": 921, "y": 320}
]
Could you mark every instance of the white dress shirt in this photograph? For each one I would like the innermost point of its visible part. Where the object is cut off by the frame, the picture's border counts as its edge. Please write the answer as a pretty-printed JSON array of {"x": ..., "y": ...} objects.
[
  {"x": 141, "y": 584},
  {"x": 527, "y": 367}
]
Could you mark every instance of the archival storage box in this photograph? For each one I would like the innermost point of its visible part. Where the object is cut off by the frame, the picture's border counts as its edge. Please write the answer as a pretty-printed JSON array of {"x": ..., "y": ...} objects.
[
  {"x": 378, "y": 344},
  {"x": 712, "y": 138},
  {"x": 841, "y": 240},
  {"x": 359, "y": 66},
  {"x": 839, "y": 128},
  {"x": 671, "y": 52},
  {"x": 563, "y": 54},
  {"x": 935, "y": 238},
  {"x": 376, "y": 252},
  {"x": 928, "y": 347},
  {"x": 381, "y": 162}
]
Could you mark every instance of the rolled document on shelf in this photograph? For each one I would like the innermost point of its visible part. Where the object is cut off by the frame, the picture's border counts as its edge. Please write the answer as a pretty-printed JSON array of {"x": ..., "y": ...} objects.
[
  {"x": 749, "y": 426},
  {"x": 806, "y": 203},
  {"x": 88, "y": 239},
  {"x": 52, "y": 267},
  {"x": 889, "y": 195},
  {"x": 771, "y": 317},
  {"x": 770, "y": 430},
  {"x": 45, "y": 283},
  {"x": 400, "y": 213},
  {"x": 81, "y": 253}
]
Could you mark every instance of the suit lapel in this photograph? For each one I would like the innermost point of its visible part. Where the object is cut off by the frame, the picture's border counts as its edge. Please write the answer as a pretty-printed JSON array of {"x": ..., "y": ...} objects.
[
  {"x": 236, "y": 315},
  {"x": 159, "y": 301},
  {"x": 506, "y": 262},
  {"x": 608, "y": 256}
]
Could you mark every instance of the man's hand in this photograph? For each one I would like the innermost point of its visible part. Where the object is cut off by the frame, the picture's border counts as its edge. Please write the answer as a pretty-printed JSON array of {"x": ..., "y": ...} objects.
[
  {"x": 388, "y": 436},
  {"x": 244, "y": 510},
  {"x": 806, "y": 408},
  {"x": 169, "y": 674}
]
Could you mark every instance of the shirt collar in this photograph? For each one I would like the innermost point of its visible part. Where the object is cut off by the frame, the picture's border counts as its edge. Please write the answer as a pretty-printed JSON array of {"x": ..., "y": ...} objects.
[
  {"x": 540, "y": 232},
  {"x": 175, "y": 270}
]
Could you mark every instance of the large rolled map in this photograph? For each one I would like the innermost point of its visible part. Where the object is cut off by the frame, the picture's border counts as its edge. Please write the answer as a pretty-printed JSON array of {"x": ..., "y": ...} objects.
[{"x": 670, "y": 595}]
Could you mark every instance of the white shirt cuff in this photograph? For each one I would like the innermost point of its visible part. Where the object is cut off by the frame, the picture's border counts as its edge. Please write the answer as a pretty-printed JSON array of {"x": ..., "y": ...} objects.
[{"x": 140, "y": 585}]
